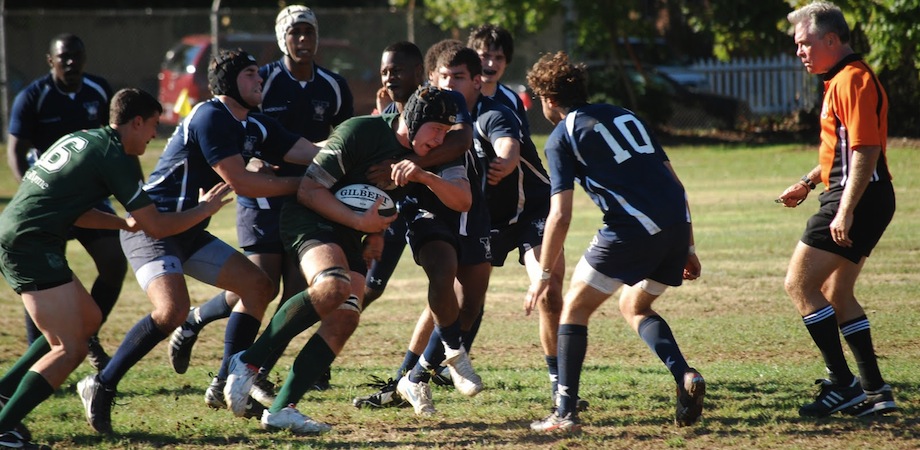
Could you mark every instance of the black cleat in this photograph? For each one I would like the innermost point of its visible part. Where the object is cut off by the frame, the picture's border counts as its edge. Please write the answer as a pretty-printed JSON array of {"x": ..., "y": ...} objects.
[{"x": 833, "y": 398}]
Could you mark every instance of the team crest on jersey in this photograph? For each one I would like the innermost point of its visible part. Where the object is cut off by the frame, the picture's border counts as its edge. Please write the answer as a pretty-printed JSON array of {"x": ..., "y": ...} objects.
[
  {"x": 92, "y": 110},
  {"x": 55, "y": 261},
  {"x": 541, "y": 226},
  {"x": 487, "y": 246},
  {"x": 319, "y": 109},
  {"x": 248, "y": 146}
]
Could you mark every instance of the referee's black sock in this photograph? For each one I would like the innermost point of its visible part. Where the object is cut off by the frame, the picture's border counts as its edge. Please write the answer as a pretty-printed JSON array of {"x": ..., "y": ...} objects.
[
  {"x": 859, "y": 337},
  {"x": 822, "y": 325}
]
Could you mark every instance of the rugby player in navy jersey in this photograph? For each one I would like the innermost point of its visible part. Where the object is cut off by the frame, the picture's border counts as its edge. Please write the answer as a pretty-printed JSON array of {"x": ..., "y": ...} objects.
[
  {"x": 403, "y": 69},
  {"x": 516, "y": 188},
  {"x": 646, "y": 243},
  {"x": 209, "y": 146},
  {"x": 59, "y": 190},
  {"x": 306, "y": 99},
  {"x": 61, "y": 102},
  {"x": 334, "y": 244},
  {"x": 495, "y": 47}
]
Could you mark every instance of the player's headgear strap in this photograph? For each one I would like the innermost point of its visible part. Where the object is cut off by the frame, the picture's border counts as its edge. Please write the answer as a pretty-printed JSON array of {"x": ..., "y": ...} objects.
[
  {"x": 429, "y": 104},
  {"x": 224, "y": 70},
  {"x": 290, "y": 16}
]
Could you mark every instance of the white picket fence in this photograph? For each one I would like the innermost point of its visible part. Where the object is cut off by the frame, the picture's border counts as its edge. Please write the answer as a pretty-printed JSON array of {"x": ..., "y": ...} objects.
[{"x": 777, "y": 85}]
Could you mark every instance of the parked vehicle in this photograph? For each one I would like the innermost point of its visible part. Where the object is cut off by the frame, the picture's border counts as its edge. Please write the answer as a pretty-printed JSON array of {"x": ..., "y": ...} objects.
[
  {"x": 663, "y": 100},
  {"x": 183, "y": 77}
]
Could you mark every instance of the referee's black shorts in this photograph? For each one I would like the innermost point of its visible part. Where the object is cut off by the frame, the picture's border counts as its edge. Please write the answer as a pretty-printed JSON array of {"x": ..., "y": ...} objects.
[{"x": 870, "y": 218}]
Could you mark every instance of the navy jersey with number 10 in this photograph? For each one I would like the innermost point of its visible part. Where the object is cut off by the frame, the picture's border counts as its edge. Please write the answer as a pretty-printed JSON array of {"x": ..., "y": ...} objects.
[{"x": 609, "y": 151}]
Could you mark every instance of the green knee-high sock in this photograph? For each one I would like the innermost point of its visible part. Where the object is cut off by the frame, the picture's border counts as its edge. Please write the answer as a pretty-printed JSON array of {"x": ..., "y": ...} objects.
[
  {"x": 33, "y": 390},
  {"x": 309, "y": 365},
  {"x": 10, "y": 382},
  {"x": 294, "y": 317}
]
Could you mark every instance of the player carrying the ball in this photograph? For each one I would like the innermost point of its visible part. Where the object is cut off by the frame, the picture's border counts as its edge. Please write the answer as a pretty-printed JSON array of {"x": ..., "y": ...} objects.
[{"x": 334, "y": 245}]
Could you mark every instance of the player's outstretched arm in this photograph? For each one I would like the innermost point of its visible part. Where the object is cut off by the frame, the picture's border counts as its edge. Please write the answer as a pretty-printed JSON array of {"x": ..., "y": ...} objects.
[
  {"x": 16, "y": 151},
  {"x": 507, "y": 158},
  {"x": 302, "y": 152},
  {"x": 453, "y": 189},
  {"x": 252, "y": 184},
  {"x": 159, "y": 225},
  {"x": 101, "y": 220}
]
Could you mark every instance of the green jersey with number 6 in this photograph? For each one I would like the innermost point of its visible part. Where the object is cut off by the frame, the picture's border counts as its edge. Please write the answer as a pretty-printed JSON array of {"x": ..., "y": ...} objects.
[{"x": 74, "y": 174}]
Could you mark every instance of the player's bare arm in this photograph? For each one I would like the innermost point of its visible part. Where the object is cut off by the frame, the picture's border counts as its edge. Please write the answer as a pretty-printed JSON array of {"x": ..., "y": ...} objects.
[
  {"x": 251, "y": 184},
  {"x": 862, "y": 164},
  {"x": 317, "y": 197},
  {"x": 454, "y": 192},
  {"x": 101, "y": 220},
  {"x": 302, "y": 152},
  {"x": 457, "y": 141},
  {"x": 794, "y": 195},
  {"x": 507, "y": 158},
  {"x": 557, "y": 228},
  {"x": 159, "y": 225},
  {"x": 16, "y": 151},
  {"x": 693, "y": 268}
]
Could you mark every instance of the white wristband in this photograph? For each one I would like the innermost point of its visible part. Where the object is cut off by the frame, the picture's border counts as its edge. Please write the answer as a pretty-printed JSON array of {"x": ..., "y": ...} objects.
[{"x": 692, "y": 250}]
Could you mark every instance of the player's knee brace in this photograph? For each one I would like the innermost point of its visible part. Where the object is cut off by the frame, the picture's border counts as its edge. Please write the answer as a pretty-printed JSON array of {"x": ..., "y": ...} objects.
[
  {"x": 352, "y": 304},
  {"x": 335, "y": 273}
]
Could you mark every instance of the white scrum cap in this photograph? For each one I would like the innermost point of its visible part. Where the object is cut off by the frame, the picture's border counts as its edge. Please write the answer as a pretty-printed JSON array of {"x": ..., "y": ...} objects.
[{"x": 290, "y": 16}]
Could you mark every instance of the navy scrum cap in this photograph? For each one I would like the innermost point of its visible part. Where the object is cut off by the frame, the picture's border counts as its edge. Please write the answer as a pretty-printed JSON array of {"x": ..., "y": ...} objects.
[
  {"x": 429, "y": 104},
  {"x": 224, "y": 70}
]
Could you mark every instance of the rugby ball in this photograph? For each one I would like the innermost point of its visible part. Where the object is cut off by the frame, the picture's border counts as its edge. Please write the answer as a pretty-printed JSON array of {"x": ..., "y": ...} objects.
[{"x": 360, "y": 197}]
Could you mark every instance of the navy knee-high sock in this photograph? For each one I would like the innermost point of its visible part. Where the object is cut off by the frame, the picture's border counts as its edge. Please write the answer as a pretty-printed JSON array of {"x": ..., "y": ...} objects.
[
  {"x": 214, "y": 309},
  {"x": 658, "y": 336},
  {"x": 573, "y": 344},
  {"x": 552, "y": 366},
  {"x": 141, "y": 338},
  {"x": 409, "y": 361},
  {"x": 431, "y": 358},
  {"x": 470, "y": 336},
  {"x": 242, "y": 330}
]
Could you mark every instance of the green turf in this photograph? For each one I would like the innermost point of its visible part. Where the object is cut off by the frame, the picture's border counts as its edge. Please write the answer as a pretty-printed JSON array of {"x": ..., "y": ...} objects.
[{"x": 734, "y": 324}]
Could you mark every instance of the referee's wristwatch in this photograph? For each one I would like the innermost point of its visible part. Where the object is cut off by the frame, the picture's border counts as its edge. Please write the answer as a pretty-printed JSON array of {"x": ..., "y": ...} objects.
[{"x": 808, "y": 183}]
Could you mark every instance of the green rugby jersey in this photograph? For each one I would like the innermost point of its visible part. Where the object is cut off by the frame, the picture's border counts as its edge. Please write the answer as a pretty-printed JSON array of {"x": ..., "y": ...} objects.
[{"x": 73, "y": 175}]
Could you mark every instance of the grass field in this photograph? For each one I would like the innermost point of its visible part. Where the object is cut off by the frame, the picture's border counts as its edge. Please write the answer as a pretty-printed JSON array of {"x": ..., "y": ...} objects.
[{"x": 734, "y": 324}]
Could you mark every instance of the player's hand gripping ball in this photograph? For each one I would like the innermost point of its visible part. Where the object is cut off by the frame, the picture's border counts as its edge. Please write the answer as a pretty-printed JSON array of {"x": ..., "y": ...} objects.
[{"x": 360, "y": 197}]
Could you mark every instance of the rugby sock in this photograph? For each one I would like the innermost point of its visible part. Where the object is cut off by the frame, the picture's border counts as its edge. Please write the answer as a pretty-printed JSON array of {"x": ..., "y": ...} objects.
[
  {"x": 105, "y": 250},
  {"x": 310, "y": 364},
  {"x": 658, "y": 336},
  {"x": 294, "y": 317},
  {"x": 32, "y": 331},
  {"x": 859, "y": 337},
  {"x": 573, "y": 344},
  {"x": 241, "y": 332},
  {"x": 214, "y": 309},
  {"x": 11, "y": 380},
  {"x": 470, "y": 336},
  {"x": 139, "y": 341},
  {"x": 450, "y": 335},
  {"x": 273, "y": 357},
  {"x": 552, "y": 364},
  {"x": 822, "y": 325},
  {"x": 431, "y": 358},
  {"x": 33, "y": 390},
  {"x": 409, "y": 361}
]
